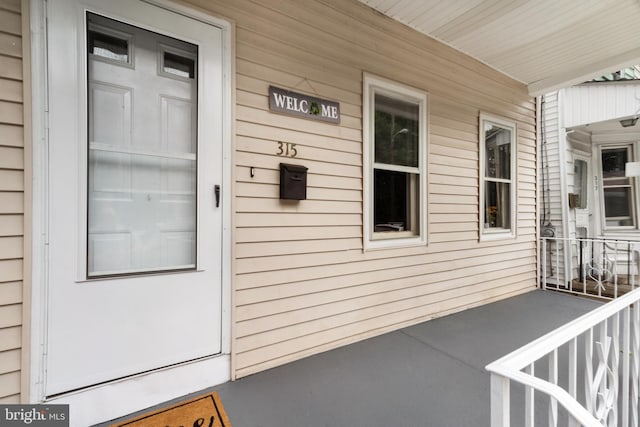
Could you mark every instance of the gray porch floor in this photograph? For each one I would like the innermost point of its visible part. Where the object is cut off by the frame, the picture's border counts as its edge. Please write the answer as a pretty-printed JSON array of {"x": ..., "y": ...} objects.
[{"x": 431, "y": 374}]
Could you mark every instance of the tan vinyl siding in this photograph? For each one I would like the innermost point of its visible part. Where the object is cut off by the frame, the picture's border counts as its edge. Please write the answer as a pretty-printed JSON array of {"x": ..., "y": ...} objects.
[
  {"x": 302, "y": 283},
  {"x": 11, "y": 199}
]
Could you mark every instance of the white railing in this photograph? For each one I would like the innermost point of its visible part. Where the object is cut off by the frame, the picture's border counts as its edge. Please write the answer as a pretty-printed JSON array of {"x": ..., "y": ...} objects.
[
  {"x": 603, "y": 268},
  {"x": 591, "y": 377}
]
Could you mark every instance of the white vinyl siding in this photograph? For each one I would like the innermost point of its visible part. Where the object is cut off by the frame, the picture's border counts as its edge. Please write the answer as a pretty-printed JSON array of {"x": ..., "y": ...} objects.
[
  {"x": 550, "y": 145},
  {"x": 11, "y": 199},
  {"x": 302, "y": 281},
  {"x": 597, "y": 102}
]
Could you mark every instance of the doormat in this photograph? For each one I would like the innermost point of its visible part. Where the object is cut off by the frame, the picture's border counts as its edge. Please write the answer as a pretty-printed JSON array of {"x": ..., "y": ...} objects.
[{"x": 203, "y": 411}]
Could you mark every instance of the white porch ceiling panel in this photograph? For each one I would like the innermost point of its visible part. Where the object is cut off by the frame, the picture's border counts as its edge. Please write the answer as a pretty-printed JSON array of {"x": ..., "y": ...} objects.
[{"x": 546, "y": 44}]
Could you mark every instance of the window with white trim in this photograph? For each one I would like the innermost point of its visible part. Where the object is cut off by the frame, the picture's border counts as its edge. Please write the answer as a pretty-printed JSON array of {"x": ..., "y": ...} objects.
[
  {"x": 497, "y": 178},
  {"x": 395, "y": 146},
  {"x": 618, "y": 191}
]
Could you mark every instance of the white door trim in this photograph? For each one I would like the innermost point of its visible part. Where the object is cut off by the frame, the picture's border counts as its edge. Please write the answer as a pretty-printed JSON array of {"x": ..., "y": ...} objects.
[
  {"x": 38, "y": 309},
  {"x": 121, "y": 397}
]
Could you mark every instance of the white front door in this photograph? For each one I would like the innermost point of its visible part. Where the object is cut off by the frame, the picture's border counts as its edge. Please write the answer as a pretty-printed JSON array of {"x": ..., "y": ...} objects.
[{"x": 135, "y": 158}]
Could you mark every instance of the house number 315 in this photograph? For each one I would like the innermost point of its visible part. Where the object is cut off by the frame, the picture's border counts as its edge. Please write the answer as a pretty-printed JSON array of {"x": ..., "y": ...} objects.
[{"x": 287, "y": 149}]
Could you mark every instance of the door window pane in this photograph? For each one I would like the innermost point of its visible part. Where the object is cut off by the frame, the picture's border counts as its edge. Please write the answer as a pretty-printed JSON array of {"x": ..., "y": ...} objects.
[
  {"x": 618, "y": 198},
  {"x": 179, "y": 65},
  {"x": 108, "y": 46},
  {"x": 142, "y": 159},
  {"x": 580, "y": 182}
]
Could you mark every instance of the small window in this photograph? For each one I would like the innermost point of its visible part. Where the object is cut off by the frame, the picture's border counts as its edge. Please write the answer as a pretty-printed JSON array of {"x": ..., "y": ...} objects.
[
  {"x": 580, "y": 179},
  {"x": 176, "y": 62},
  {"x": 178, "y": 65},
  {"x": 497, "y": 176},
  {"x": 617, "y": 189},
  {"x": 108, "y": 44},
  {"x": 395, "y": 154}
]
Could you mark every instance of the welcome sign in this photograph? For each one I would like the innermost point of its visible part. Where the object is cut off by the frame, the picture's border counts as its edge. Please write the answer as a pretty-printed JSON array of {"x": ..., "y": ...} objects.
[{"x": 304, "y": 106}]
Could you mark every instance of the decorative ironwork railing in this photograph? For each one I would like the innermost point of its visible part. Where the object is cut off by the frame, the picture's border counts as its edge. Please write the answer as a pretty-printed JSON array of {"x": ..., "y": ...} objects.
[
  {"x": 602, "y": 268},
  {"x": 585, "y": 373}
]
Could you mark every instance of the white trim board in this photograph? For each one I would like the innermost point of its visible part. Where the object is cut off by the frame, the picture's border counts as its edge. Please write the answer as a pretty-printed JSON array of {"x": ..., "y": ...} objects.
[{"x": 113, "y": 400}]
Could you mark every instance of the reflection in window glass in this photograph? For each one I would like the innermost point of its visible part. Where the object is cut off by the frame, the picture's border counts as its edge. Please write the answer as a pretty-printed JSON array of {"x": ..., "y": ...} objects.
[{"x": 396, "y": 132}]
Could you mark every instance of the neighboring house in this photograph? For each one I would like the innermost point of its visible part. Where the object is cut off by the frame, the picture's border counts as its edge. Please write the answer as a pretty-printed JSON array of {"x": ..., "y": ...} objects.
[
  {"x": 149, "y": 246},
  {"x": 590, "y": 134}
]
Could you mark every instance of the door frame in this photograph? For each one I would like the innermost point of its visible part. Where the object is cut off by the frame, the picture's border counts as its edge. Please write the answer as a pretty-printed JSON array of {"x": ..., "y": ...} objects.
[{"x": 188, "y": 376}]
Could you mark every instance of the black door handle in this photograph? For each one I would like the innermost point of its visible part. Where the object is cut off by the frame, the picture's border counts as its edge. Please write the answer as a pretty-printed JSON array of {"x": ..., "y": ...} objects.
[{"x": 216, "y": 191}]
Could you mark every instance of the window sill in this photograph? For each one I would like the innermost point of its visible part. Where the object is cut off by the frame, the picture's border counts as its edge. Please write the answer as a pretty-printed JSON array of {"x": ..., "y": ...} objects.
[
  {"x": 497, "y": 235},
  {"x": 394, "y": 243}
]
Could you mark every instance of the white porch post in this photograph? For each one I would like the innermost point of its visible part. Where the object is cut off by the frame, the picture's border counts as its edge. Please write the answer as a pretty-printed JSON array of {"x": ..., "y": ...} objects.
[{"x": 499, "y": 401}]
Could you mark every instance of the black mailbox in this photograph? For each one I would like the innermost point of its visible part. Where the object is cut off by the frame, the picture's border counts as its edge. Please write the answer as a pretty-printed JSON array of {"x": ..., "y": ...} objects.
[{"x": 293, "y": 182}]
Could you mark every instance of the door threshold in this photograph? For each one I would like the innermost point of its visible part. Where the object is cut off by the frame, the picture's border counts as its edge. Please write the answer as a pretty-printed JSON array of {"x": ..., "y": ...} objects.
[{"x": 124, "y": 396}]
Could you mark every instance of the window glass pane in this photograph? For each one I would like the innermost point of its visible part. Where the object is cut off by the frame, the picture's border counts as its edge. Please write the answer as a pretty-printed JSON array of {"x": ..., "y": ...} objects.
[
  {"x": 395, "y": 201},
  {"x": 613, "y": 162},
  {"x": 142, "y": 162},
  {"x": 179, "y": 65},
  {"x": 108, "y": 46},
  {"x": 498, "y": 151},
  {"x": 617, "y": 189},
  {"x": 396, "y": 131},
  {"x": 580, "y": 182},
  {"x": 618, "y": 206},
  {"x": 497, "y": 205}
]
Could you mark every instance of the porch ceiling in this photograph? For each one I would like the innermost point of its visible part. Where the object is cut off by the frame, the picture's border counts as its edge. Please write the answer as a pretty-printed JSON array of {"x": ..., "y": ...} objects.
[{"x": 546, "y": 44}]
